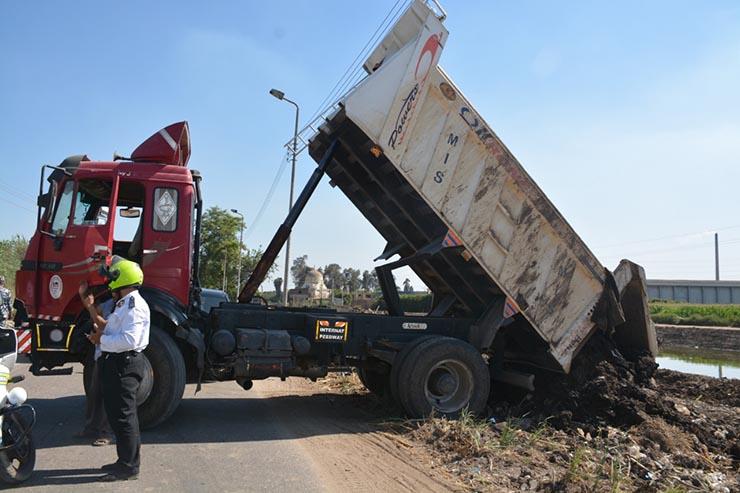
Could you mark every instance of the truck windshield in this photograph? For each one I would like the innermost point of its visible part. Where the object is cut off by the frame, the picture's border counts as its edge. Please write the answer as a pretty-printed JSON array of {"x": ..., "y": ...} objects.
[{"x": 64, "y": 207}]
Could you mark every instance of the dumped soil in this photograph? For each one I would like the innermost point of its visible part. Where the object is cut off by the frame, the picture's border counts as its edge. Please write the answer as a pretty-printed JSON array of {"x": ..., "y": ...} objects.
[{"x": 611, "y": 425}]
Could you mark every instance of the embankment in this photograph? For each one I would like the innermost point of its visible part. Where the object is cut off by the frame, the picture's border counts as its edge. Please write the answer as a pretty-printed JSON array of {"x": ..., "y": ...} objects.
[{"x": 718, "y": 338}]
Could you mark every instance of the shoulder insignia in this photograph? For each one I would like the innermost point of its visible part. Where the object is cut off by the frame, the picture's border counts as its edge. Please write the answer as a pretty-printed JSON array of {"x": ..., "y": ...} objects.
[
  {"x": 119, "y": 304},
  {"x": 131, "y": 302}
]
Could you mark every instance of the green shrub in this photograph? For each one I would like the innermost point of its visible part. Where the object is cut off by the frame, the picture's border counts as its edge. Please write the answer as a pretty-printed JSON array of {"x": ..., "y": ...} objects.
[
  {"x": 412, "y": 303},
  {"x": 689, "y": 314}
]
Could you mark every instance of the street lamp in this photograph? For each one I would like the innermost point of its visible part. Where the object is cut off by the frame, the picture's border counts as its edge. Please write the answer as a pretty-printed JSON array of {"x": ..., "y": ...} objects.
[
  {"x": 281, "y": 96},
  {"x": 241, "y": 248}
]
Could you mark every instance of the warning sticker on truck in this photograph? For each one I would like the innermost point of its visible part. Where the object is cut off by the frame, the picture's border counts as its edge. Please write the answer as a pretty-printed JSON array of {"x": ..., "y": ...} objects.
[{"x": 332, "y": 330}]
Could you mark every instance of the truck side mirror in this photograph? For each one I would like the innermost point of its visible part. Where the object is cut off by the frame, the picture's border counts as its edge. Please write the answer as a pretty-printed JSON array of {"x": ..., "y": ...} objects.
[
  {"x": 130, "y": 212},
  {"x": 43, "y": 200}
]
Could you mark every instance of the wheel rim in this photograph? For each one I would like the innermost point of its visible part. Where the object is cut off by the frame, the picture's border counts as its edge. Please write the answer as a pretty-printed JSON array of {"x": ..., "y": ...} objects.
[
  {"x": 147, "y": 383},
  {"x": 19, "y": 455},
  {"x": 449, "y": 386}
]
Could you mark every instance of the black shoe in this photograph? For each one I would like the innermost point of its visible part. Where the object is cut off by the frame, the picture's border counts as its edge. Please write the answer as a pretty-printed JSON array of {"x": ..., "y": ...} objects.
[
  {"x": 119, "y": 476},
  {"x": 110, "y": 467}
]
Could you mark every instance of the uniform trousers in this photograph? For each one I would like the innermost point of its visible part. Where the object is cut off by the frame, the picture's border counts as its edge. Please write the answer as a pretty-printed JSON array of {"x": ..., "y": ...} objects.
[
  {"x": 122, "y": 374},
  {"x": 96, "y": 422}
]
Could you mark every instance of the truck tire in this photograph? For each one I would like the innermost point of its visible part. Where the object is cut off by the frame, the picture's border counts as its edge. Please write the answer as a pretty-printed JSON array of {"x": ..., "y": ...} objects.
[
  {"x": 445, "y": 376},
  {"x": 16, "y": 464},
  {"x": 375, "y": 381},
  {"x": 398, "y": 363},
  {"x": 167, "y": 379}
]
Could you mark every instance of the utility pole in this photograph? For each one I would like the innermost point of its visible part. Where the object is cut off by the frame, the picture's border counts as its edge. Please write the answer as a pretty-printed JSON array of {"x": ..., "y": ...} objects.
[
  {"x": 223, "y": 283},
  {"x": 281, "y": 96},
  {"x": 241, "y": 249},
  {"x": 716, "y": 256}
]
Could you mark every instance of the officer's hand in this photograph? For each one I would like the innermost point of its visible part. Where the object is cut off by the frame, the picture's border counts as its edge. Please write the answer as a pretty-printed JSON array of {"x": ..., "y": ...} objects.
[
  {"x": 95, "y": 335},
  {"x": 87, "y": 298}
]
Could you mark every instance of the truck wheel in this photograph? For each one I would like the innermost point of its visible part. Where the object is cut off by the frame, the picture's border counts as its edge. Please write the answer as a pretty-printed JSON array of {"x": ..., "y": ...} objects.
[
  {"x": 163, "y": 385},
  {"x": 398, "y": 363},
  {"x": 374, "y": 381},
  {"x": 17, "y": 463},
  {"x": 444, "y": 375}
]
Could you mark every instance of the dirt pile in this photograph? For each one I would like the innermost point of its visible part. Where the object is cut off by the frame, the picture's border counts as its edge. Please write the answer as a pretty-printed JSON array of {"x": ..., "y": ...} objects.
[
  {"x": 611, "y": 425},
  {"x": 604, "y": 389}
]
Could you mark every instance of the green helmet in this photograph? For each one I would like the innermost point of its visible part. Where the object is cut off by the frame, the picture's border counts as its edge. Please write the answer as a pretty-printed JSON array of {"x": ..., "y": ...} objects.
[{"x": 124, "y": 274}]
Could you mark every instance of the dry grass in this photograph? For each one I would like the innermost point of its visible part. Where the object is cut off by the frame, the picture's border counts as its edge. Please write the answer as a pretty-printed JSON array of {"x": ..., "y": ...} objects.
[{"x": 489, "y": 456}]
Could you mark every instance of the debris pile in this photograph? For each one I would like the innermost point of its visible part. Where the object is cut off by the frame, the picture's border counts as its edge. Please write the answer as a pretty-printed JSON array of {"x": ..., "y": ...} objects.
[{"x": 611, "y": 425}]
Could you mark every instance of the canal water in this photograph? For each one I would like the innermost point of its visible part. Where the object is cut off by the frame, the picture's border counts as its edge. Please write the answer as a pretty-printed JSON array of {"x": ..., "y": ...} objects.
[{"x": 700, "y": 361}]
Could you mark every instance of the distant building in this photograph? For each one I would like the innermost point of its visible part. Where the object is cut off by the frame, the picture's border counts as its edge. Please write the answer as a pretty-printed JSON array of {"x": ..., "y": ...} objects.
[
  {"x": 312, "y": 290},
  {"x": 703, "y": 292}
]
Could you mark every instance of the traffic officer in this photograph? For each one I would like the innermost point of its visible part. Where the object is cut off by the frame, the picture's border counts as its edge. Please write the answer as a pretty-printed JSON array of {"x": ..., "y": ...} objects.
[{"x": 122, "y": 338}]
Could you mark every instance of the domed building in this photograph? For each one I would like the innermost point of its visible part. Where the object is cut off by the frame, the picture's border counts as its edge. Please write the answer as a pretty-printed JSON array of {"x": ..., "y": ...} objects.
[{"x": 313, "y": 288}]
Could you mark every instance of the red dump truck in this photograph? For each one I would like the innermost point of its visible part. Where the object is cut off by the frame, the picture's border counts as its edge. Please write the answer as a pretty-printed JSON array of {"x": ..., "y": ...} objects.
[{"x": 514, "y": 287}]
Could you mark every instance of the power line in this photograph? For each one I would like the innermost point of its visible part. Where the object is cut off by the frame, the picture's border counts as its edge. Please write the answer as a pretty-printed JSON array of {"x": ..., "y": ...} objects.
[
  {"x": 270, "y": 193},
  {"x": 662, "y": 250},
  {"x": 8, "y": 201},
  {"x": 8, "y": 190},
  {"x": 17, "y": 190},
  {"x": 669, "y": 237},
  {"x": 731, "y": 241},
  {"x": 352, "y": 69}
]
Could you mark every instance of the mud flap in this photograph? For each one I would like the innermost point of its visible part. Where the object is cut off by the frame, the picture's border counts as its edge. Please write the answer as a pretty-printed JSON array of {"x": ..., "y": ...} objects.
[
  {"x": 195, "y": 339},
  {"x": 636, "y": 335}
]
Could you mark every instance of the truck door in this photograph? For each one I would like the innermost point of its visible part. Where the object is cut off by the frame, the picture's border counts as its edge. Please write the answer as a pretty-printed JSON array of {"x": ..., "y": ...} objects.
[
  {"x": 78, "y": 233},
  {"x": 72, "y": 243},
  {"x": 166, "y": 243}
]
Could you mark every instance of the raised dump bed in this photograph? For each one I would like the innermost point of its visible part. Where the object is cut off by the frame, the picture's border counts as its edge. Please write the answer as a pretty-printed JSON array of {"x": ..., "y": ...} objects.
[{"x": 422, "y": 165}]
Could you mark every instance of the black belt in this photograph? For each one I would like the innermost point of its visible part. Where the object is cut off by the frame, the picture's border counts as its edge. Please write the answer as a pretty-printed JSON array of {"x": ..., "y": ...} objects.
[{"x": 124, "y": 353}]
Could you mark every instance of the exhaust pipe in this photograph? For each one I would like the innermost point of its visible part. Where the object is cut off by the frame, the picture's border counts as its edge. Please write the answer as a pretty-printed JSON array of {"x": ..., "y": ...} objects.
[{"x": 245, "y": 383}]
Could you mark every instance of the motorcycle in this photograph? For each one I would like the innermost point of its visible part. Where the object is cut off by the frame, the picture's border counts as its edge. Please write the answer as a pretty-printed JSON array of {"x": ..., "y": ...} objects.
[{"x": 17, "y": 450}]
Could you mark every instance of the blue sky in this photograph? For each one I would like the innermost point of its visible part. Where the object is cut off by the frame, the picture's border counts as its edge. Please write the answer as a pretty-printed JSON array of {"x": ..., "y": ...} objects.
[{"x": 627, "y": 114}]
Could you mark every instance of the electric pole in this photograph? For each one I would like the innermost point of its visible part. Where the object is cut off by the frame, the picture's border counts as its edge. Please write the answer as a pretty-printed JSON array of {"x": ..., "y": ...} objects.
[
  {"x": 716, "y": 256},
  {"x": 281, "y": 96}
]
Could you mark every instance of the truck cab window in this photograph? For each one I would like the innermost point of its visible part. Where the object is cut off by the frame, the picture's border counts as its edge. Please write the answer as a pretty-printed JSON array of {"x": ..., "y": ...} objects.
[
  {"x": 128, "y": 231},
  {"x": 91, "y": 206},
  {"x": 64, "y": 208}
]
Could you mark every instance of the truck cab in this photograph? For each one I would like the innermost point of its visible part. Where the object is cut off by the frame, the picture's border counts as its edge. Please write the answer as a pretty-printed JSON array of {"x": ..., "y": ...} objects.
[{"x": 142, "y": 208}]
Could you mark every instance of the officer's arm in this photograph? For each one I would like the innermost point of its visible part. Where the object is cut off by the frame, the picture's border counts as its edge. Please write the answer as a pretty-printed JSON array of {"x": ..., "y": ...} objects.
[
  {"x": 95, "y": 316},
  {"x": 88, "y": 301},
  {"x": 125, "y": 340}
]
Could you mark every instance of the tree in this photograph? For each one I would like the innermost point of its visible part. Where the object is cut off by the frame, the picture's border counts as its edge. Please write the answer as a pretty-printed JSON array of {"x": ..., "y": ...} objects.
[
  {"x": 407, "y": 287},
  {"x": 12, "y": 252},
  {"x": 278, "y": 283},
  {"x": 351, "y": 279},
  {"x": 298, "y": 270},
  {"x": 219, "y": 252},
  {"x": 369, "y": 280},
  {"x": 333, "y": 277}
]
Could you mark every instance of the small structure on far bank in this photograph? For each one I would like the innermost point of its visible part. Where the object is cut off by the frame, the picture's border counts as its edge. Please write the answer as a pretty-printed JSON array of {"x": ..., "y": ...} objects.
[{"x": 313, "y": 289}]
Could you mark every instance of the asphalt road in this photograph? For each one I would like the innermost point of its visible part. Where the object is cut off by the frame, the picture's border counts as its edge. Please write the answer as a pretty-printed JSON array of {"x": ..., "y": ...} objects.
[{"x": 276, "y": 437}]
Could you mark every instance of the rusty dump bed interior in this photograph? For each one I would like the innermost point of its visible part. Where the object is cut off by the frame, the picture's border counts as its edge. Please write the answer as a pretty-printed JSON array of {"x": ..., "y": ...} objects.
[{"x": 402, "y": 217}]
